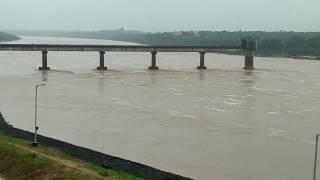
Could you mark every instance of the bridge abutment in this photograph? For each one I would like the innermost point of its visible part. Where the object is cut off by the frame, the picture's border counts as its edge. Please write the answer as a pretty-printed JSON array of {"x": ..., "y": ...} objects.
[
  {"x": 202, "y": 66},
  {"x": 101, "y": 66},
  {"x": 44, "y": 66},
  {"x": 154, "y": 61}
]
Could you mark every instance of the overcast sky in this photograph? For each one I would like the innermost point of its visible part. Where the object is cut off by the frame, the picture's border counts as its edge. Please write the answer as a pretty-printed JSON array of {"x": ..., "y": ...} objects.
[{"x": 160, "y": 15}]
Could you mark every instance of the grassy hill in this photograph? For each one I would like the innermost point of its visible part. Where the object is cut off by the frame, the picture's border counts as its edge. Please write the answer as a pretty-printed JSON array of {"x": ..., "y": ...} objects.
[{"x": 19, "y": 160}]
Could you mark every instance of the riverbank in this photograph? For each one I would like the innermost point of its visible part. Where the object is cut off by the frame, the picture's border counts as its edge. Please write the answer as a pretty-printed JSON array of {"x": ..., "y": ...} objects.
[
  {"x": 57, "y": 159},
  {"x": 19, "y": 159}
]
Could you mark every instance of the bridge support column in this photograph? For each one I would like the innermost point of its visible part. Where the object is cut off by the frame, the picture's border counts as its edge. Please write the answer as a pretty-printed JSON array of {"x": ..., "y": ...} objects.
[
  {"x": 249, "y": 60},
  {"x": 154, "y": 61},
  {"x": 202, "y": 66},
  {"x": 44, "y": 61},
  {"x": 102, "y": 67},
  {"x": 250, "y": 46}
]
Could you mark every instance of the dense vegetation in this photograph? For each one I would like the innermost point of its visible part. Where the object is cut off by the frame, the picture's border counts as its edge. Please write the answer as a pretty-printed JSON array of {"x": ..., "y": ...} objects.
[
  {"x": 7, "y": 37},
  {"x": 281, "y": 43}
]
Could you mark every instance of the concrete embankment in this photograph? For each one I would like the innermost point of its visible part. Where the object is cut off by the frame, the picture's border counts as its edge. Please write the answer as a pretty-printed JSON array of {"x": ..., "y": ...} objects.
[{"x": 91, "y": 156}]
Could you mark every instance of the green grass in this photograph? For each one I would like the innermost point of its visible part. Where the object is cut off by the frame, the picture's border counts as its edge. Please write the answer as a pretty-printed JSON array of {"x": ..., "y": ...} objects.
[{"x": 17, "y": 161}]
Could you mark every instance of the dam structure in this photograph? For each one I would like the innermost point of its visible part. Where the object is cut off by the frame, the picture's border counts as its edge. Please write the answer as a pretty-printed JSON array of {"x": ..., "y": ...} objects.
[{"x": 247, "y": 47}]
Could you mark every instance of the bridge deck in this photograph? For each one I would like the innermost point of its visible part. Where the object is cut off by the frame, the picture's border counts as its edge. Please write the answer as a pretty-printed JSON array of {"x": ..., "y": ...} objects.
[{"x": 116, "y": 48}]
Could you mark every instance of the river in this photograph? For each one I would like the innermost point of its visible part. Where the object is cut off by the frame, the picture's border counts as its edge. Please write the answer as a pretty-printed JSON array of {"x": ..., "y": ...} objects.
[{"x": 224, "y": 123}]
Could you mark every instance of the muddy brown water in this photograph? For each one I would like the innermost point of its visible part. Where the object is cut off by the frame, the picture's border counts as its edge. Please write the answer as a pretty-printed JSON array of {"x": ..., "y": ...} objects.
[{"x": 224, "y": 123}]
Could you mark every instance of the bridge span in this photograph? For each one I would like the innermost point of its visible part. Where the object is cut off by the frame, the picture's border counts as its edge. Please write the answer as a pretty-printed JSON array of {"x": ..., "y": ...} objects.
[{"x": 246, "y": 48}]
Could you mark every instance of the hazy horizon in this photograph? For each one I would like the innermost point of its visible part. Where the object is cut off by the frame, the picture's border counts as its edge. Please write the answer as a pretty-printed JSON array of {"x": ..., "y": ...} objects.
[
  {"x": 185, "y": 30},
  {"x": 160, "y": 16}
]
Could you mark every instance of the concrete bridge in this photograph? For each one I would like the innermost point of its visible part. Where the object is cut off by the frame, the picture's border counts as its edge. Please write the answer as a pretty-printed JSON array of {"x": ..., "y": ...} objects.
[{"x": 247, "y": 47}]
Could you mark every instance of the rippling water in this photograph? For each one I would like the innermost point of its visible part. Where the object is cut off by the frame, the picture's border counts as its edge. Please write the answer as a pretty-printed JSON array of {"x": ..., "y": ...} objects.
[{"x": 224, "y": 123}]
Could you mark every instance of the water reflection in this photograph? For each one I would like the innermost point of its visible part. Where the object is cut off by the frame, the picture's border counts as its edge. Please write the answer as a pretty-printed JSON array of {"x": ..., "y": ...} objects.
[
  {"x": 249, "y": 79},
  {"x": 248, "y": 72},
  {"x": 202, "y": 74},
  {"x": 44, "y": 76},
  {"x": 153, "y": 77},
  {"x": 101, "y": 81}
]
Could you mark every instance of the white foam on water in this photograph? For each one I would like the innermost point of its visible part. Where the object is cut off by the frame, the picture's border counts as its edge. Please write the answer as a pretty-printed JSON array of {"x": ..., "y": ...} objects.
[
  {"x": 216, "y": 109},
  {"x": 266, "y": 89},
  {"x": 178, "y": 94},
  {"x": 295, "y": 112},
  {"x": 180, "y": 114},
  {"x": 275, "y": 113}
]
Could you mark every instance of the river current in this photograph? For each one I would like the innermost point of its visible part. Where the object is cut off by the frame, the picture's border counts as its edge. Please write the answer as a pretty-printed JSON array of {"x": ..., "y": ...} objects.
[{"x": 224, "y": 123}]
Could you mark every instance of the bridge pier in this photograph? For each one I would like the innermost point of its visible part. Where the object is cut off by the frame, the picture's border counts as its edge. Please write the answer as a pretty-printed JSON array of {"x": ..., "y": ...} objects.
[
  {"x": 202, "y": 66},
  {"x": 154, "y": 61},
  {"x": 102, "y": 67},
  {"x": 44, "y": 61},
  {"x": 250, "y": 46},
  {"x": 249, "y": 60}
]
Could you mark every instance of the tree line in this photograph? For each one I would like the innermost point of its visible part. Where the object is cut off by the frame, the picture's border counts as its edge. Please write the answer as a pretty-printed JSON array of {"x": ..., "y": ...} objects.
[{"x": 7, "y": 37}]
